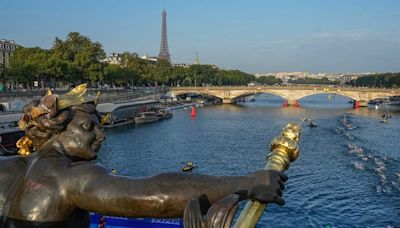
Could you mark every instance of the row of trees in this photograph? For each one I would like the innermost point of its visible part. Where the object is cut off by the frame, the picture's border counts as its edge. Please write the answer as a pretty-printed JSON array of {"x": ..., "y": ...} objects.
[
  {"x": 77, "y": 59},
  {"x": 386, "y": 80},
  {"x": 314, "y": 81}
]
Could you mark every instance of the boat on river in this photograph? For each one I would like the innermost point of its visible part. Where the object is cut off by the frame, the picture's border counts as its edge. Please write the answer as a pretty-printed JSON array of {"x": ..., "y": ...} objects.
[
  {"x": 122, "y": 113},
  {"x": 146, "y": 117},
  {"x": 312, "y": 124},
  {"x": 9, "y": 131},
  {"x": 188, "y": 167},
  {"x": 163, "y": 114}
]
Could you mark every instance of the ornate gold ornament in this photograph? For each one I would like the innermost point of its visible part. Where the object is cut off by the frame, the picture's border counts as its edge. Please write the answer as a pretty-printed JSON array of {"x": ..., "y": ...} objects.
[
  {"x": 284, "y": 149},
  {"x": 24, "y": 145},
  {"x": 76, "y": 96}
]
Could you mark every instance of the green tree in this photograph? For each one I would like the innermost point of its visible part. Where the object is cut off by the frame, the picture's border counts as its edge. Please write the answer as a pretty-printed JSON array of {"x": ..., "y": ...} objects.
[
  {"x": 119, "y": 75},
  {"x": 141, "y": 69},
  {"x": 322, "y": 81},
  {"x": 233, "y": 77},
  {"x": 162, "y": 72},
  {"x": 79, "y": 57},
  {"x": 4, "y": 77},
  {"x": 269, "y": 80},
  {"x": 202, "y": 74},
  {"x": 386, "y": 80},
  {"x": 178, "y": 75},
  {"x": 29, "y": 64}
]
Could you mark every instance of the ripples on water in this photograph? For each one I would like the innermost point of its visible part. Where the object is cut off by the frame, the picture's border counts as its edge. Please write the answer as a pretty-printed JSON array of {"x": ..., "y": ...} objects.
[{"x": 348, "y": 173}]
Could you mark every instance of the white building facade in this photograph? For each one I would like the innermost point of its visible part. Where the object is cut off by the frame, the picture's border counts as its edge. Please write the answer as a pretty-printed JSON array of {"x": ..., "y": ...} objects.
[{"x": 6, "y": 49}]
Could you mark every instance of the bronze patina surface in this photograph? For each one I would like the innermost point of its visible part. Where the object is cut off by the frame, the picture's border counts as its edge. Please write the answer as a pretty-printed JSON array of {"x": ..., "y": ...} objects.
[{"x": 56, "y": 182}]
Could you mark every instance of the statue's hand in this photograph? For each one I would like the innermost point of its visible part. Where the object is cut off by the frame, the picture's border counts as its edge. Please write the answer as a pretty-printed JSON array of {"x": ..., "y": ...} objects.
[{"x": 269, "y": 187}]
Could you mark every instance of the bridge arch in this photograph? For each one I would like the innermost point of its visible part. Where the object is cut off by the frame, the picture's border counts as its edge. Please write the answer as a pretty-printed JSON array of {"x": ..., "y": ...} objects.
[
  {"x": 329, "y": 92},
  {"x": 240, "y": 94}
]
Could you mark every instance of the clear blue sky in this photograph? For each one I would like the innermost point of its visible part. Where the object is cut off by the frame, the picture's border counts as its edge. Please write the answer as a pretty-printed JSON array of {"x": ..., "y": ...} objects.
[{"x": 250, "y": 35}]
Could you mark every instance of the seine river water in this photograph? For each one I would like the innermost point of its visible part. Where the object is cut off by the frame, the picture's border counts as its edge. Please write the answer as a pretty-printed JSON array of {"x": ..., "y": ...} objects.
[{"x": 347, "y": 175}]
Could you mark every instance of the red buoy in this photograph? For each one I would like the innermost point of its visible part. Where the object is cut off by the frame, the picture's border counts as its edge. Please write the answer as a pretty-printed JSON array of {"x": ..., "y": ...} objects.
[
  {"x": 284, "y": 103},
  {"x": 297, "y": 103},
  {"x": 356, "y": 105},
  {"x": 193, "y": 112}
]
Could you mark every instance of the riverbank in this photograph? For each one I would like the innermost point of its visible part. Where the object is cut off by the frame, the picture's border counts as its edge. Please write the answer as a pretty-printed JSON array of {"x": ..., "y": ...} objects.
[
  {"x": 173, "y": 105},
  {"x": 15, "y": 101}
]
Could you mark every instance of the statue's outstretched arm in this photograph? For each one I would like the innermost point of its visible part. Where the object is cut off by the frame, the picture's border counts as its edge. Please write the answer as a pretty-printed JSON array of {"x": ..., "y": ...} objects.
[{"x": 164, "y": 195}]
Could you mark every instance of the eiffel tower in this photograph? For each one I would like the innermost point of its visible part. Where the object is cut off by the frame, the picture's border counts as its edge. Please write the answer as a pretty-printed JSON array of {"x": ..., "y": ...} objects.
[{"x": 164, "y": 53}]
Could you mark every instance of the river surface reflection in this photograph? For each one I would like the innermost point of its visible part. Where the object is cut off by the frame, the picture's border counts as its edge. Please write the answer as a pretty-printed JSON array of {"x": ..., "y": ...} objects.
[{"x": 347, "y": 175}]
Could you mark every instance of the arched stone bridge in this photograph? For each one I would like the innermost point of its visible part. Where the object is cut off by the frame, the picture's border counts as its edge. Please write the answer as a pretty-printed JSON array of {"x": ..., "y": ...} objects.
[{"x": 292, "y": 94}]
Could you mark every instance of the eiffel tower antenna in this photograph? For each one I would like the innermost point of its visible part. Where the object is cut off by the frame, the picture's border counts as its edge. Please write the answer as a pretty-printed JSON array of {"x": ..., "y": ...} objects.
[{"x": 164, "y": 53}]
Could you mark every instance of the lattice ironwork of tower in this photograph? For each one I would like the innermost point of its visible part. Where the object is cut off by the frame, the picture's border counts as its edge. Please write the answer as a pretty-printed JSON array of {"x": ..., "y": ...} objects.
[{"x": 164, "y": 53}]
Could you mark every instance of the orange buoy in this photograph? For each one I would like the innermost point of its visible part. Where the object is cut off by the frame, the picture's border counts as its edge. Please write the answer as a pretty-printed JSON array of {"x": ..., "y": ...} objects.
[{"x": 193, "y": 112}]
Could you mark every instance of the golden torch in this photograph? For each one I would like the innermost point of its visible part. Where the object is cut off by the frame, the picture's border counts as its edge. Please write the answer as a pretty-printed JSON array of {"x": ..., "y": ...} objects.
[{"x": 283, "y": 150}]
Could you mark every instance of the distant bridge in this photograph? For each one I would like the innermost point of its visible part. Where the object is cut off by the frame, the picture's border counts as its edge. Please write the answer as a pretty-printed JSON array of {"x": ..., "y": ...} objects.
[{"x": 291, "y": 94}]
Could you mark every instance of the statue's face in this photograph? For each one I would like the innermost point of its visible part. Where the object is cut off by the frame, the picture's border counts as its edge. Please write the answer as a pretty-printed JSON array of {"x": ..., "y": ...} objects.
[{"x": 82, "y": 138}]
